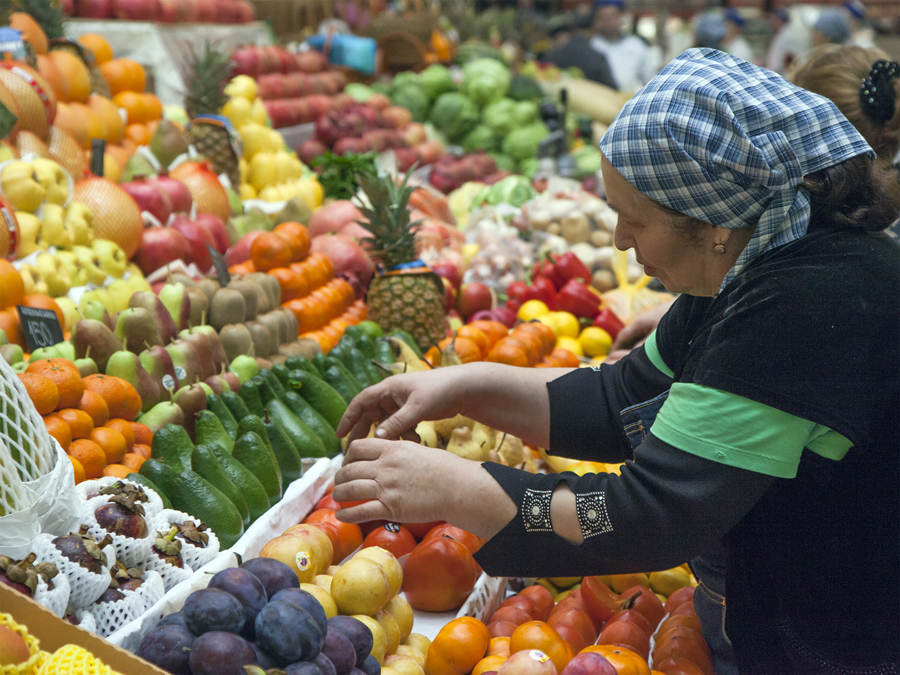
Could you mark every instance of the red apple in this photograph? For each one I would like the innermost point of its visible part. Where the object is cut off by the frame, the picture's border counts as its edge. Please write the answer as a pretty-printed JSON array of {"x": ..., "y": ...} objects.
[
  {"x": 198, "y": 237},
  {"x": 217, "y": 228},
  {"x": 311, "y": 149},
  {"x": 160, "y": 246},
  {"x": 246, "y": 61},
  {"x": 449, "y": 271},
  {"x": 473, "y": 297},
  {"x": 506, "y": 316},
  {"x": 240, "y": 251}
]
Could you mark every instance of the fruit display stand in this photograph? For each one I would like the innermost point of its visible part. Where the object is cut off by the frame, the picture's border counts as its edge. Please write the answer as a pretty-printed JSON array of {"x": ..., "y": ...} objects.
[{"x": 164, "y": 49}]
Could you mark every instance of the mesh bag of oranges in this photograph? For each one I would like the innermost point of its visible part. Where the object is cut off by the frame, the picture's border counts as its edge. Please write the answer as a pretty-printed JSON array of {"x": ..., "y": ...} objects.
[
  {"x": 74, "y": 660},
  {"x": 35, "y": 658},
  {"x": 39, "y": 460}
]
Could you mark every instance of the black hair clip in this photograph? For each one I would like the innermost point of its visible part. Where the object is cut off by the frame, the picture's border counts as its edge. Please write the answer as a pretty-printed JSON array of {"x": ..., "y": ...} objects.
[{"x": 876, "y": 93}]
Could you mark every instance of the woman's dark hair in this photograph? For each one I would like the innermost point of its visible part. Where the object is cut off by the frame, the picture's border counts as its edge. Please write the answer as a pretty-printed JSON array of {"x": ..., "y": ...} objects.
[{"x": 858, "y": 193}]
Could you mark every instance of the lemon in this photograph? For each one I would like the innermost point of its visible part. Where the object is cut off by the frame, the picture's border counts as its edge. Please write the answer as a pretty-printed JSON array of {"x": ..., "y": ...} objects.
[
  {"x": 571, "y": 344},
  {"x": 254, "y": 137},
  {"x": 532, "y": 309},
  {"x": 595, "y": 341},
  {"x": 243, "y": 86},
  {"x": 246, "y": 191},
  {"x": 258, "y": 112},
  {"x": 567, "y": 326}
]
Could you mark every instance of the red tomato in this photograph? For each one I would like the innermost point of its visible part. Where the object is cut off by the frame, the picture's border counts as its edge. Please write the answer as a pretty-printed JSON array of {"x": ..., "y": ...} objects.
[
  {"x": 542, "y": 599},
  {"x": 439, "y": 575},
  {"x": 349, "y": 532},
  {"x": 327, "y": 502},
  {"x": 646, "y": 602},
  {"x": 366, "y": 528},
  {"x": 419, "y": 530},
  {"x": 515, "y": 615},
  {"x": 599, "y": 602},
  {"x": 467, "y": 539},
  {"x": 391, "y": 537}
]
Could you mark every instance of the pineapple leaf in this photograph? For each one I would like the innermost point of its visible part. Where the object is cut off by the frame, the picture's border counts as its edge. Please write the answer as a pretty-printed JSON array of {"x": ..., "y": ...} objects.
[
  {"x": 205, "y": 78},
  {"x": 387, "y": 216}
]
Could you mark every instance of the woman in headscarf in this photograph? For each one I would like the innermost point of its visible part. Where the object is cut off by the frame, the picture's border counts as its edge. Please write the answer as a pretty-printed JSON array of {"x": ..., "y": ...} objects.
[{"x": 759, "y": 423}]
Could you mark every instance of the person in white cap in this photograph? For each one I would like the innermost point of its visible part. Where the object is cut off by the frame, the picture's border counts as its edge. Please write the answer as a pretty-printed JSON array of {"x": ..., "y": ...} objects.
[
  {"x": 630, "y": 58},
  {"x": 735, "y": 43}
]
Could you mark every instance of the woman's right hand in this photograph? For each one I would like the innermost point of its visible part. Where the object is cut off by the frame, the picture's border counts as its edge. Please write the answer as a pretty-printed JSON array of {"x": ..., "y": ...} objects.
[{"x": 398, "y": 403}]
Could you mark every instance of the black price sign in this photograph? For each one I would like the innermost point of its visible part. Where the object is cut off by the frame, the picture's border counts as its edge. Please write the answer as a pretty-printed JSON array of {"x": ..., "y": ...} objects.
[
  {"x": 221, "y": 266},
  {"x": 40, "y": 327}
]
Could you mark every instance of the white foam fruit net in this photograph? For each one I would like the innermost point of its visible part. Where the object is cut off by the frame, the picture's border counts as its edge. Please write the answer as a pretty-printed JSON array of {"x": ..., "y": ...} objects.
[
  {"x": 194, "y": 556},
  {"x": 14, "y": 496},
  {"x": 171, "y": 575},
  {"x": 152, "y": 507},
  {"x": 110, "y": 616},
  {"x": 22, "y": 431},
  {"x": 55, "y": 599},
  {"x": 86, "y": 620},
  {"x": 129, "y": 551},
  {"x": 84, "y": 586},
  {"x": 152, "y": 589}
]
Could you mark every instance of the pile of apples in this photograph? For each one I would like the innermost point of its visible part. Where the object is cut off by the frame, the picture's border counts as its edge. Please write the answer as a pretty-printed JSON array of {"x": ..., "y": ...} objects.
[
  {"x": 165, "y": 11},
  {"x": 254, "y": 61}
]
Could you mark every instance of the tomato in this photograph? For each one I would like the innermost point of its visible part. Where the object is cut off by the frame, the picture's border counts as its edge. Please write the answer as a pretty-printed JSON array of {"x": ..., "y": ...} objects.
[
  {"x": 458, "y": 648},
  {"x": 625, "y": 661},
  {"x": 577, "y": 619},
  {"x": 349, "y": 532},
  {"x": 467, "y": 539},
  {"x": 646, "y": 602},
  {"x": 419, "y": 530},
  {"x": 327, "y": 502},
  {"x": 599, "y": 602},
  {"x": 372, "y": 525},
  {"x": 678, "y": 665},
  {"x": 337, "y": 542},
  {"x": 391, "y": 537},
  {"x": 543, "y": 601},
  {"x": 625, "y": 633},
  {"x": 439, "y": 575},
  {"x": 539, "y": 635},
  {"x": 679, "y": 597},
  {"x": 522, "y": 602},
  {"x": 515, "y": 615},
  {"x": 500, "y": 629},
  {"x": 632, "y": 616}
]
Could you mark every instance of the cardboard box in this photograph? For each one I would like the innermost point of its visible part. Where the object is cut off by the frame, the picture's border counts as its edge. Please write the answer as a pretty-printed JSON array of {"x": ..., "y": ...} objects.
[{"x": 54, "y": 633}]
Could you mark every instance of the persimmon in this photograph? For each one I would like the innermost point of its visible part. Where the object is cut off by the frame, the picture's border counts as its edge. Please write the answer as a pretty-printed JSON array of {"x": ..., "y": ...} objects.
[
  {"x": 679, "y": 597},
  {"x": 494, "y": 330},
  {"x": 501, "y": 628},
  {"x": 541, "y": 598},
  {"x": 458, "y": 647},
  {"x": 678, "y": 665},
  {"x": 539, "y": 635},
  {"x": 478, "y": 336},
  {"x": 498, "y": 645},
  {"x": 635, "y": 617},
  {"x": 684, "y": 620},
  {"x": 269, "y": 251},
  {"x": 572, "y": 637},
  {"x": 293, "y": 284},
  {"x": 523, "y": 603},
  {"x": 300, "y": 232},
  {"x": 514, "y": 615},
  {"x": 625, "y": 633},
  {"x": 349, "y": 532},
  {"x": 623, "y": 659},
  {"x": 508, "y": 353},
  {"x": 578, "y": 620},
  {"x": 565, "y": 357}
]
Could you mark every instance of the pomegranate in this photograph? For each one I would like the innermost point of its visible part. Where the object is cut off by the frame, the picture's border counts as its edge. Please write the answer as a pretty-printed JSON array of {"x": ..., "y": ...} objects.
[
  {"x": 136, "y": 10},
  {"x": 198, "y": 237},
  {"x": 160, "y": 246},
  {"x": 150, "y": 197},
  {"x": 345, "y": 255},
  {"x": 215, "y": 226},
  {"x": 178, "y": 193},
  {"x": 205, "y": 188},
  {"x": 95, "y": 9},
  {"x": 311, "y": 149},
  {"x": 334, "y": 216}
]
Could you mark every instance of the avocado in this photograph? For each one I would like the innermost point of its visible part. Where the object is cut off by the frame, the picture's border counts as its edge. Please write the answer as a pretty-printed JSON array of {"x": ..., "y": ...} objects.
[
  {"x": 195, "y": 495},
  {"x": 147, "y": 483},
  {"x": 304, "y": 412},
  {"x": 250, "y": 396},
  {"x": 286, "y": 453},
  {"x": 301, "y": 362},
  {"x": 304, "y": 439},
  {"x": 205, "y": 463},
  {"x": 327, "y": 402},
  {"x": 355, "y": 383},
  {"x": 252, "y": 491},
  {"x": 235, "y": 405},
  {"x": 220, "y": 410},
  {"x": 256, "y": 425},
  {"x": 208, "y": 429},
  {"x": 173, "y": 447},
  {"x": 250, "y": 450}
]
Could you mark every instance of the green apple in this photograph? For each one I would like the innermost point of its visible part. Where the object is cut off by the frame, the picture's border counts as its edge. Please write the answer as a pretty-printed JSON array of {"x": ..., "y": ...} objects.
[
  {"x": 20, "y": 366},
  {"x": 71, "y": 315},
  {"x": 66, "y": 350},
  {"x": 54, "y": 273},
  {"x": 12, "y": 354},
  {"x": 111, "y": 256},
  {"x": 90, "y": 262},
  {"x": 45, "y": 353},
  {"x": 245, "y": 367},
  {"x": 79, "y": 221}
]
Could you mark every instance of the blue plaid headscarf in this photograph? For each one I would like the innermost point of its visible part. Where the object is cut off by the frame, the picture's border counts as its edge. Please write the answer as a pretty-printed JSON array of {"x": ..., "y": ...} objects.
[{"x": 729, "y": 143}]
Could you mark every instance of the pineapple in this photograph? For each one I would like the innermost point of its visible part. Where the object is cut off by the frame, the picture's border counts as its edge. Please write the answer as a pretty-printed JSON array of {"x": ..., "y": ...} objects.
[
  {"x": 412, "y": 301},
  {"x": 205, "y": 81}
]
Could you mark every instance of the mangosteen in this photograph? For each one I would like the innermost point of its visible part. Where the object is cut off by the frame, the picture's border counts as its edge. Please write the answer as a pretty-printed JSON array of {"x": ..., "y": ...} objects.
[
  {"x": 47, "y": 571},
  {"x": 193, "y": 534},
  {"x": 110, "y": 595},
  {"x": 70, "y": 616},
  {"x": 126, "y": 579},
  {"x": 82, "y": 550},
  {"x": 121, "y": 488},
  {"x": 168, "y": 549},
  {"x": 19, "y": 574},
  {"x": 123, "y": 515}
]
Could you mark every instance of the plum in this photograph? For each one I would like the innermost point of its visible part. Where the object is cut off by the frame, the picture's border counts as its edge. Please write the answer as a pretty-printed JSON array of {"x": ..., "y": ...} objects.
[
  {"x": 325, "y": 665},
  {"x": 248, "y": 590},
  {"x": 339, "y": 650},
  {"x": 176, "y": 619},
  {"x": 303, "y": 668},
  {"x": 288, "y": 633},
  {"x": 308, "y": 602},
  {"x": 369, "y": 666},
  {"x": 359, "y": 634},
  {"x": 168, "y": 647},
  {"x": 210, "y": 609},
  {"x": 263, "y": 659},
  {"x": 273, "y": 574},
  {"x": 220, "y": 653}
]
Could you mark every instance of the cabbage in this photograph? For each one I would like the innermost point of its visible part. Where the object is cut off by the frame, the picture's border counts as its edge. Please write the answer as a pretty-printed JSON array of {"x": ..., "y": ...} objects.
[
  {"x": 504, "y": 162},
  {"x": 523, "y": 142},
  {"x": 500, "y": 116},
  {"x": 515, "y": 190},
  {"x": 436, "y": 80},
  {"x": 413, "y": 98},
  {"x": 358, "y": 91},
  {"x": 403, "y": 79},
  {"x": 524, "y": 88},
  {"x": 529, "y": 167},
  {"x": 454, "y": 115},
  {"x": 480, "y": 138},
  {"x": 485, "y": 81},
  {"x": 526, "y": 112},
  {"x": 587, "y": 161}
]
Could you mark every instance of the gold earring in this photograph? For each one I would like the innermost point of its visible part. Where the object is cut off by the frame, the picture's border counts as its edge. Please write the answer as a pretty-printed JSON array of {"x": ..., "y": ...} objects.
[{"x": 719, "y": 249}]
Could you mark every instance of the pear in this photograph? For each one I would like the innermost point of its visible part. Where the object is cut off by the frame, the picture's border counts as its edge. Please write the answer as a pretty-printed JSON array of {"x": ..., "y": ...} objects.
[
  {"x": 127, "y": 366},
  {"x": 186, "y": 361},
  {"x": 96, "y": 336},
  {"x": 463, "y": 445},
  {"x": 167, "y": 143},
  {"x": 201, "y": 343},
  {"x": 87, "y": 365},
  {"x": 236, "y": 340},
  {"x": 94, "y": 309},
  {"x": 12, "y": 354},
  {"x": 427, "y": 435},
  {"x": 137, "y": 166},
  {"x": 511, "y": 450},
  {"x": 158, "y": 364},
  {"x": 34, "y": 283},
  {"x": 217, "y": 350},
  {"x": 175, "y": 298},
  {"x": 191, "y": 399},
  {"x": 484, "y": 436},
  {"x": 150, "y": 301},
  {"x": 52, "y": 178},
  {"x": 179, "y": 278},
  {"x": 21, "y": 186},
  {"x": 227, "y": 307},
  {"x": 138, "y": 327},
  {"x": 70, "y": 313},
  {"x": 162, "y": 414},
  {"x": 3, "y": 339},
  {"x": 250, "y": 294},
  {"x": 403, "y": 353},
  {"x": 245, "y": 367},
  {"x": 199, "y": 306},
  {"x": 120, "y": 292},
  {"x": 446, "y": 427},
  {"x": 218, "y": 385},
  {"x": 136, "y": 278},
  {"x": 262, "y": 339}
]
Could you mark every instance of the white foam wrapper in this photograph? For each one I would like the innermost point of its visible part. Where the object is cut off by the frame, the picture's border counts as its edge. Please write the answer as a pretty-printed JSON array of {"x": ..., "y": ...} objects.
[
  {"x": 152, "y": 507},
  {"x": 57, "y": 599},
  {"x": 194, "y": 556},
  {"x": 110, "y": 616},
  {"x": 151, "y": 590},
  {"x": 84, "y": 585},
  {"x": 129, "y": 551},
  {"x": 171, "y": 575},
  {"x": 86, "y": 620}
]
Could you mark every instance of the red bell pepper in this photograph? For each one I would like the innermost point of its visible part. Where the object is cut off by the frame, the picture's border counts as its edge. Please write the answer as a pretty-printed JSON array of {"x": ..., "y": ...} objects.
[
  {"x": 515, "y": 290},
  {"x": 544, "y": 268},
  {"x": 578, "y": 299},
  {"x": 568, "y": 266},
  {"x": 541, "y": 289},
  {"x": 608, "y": 321}
]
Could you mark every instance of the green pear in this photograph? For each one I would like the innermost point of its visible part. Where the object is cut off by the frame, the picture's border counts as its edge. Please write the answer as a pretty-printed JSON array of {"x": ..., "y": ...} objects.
[
  {"x": 176, "y": 300},
  {"x": 244, "y": 366},
  {"x": 86, "y": 366},
  {"x": 127, "y": 366},
  {"x": 162, "y": 414},
  {"x": 95, "y": 310},
  {"x": 139, "y": 327},
  {"x": 89, "y": 334},
  {"x": 12, "y": 354}
]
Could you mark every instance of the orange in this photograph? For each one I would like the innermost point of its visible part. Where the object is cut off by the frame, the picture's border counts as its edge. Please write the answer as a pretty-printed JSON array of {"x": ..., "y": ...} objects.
[
  {"x": 142, "y": 450},
  {"x": 123, "y": 427},
  {"x": 94, "y": 405},
  {"x": 142, "y": 433},
  {"x": 42, "y": 391},
  {"x": 116, "y": 471},
  {"x": 90, "y": 455},
  {"x": 137, "y": 76},
  {"x": 293, "y": 284},
  {"x": 44, "y": 302},
  {"x": 57, "y": 427},
  {"x": 566, "y": 358},
  {"x": 108, "y": 112},
  {"x": 117, "y": 75},
  {"x": 31, "y": 31},
  {"x": 299, "y": 231},
  {"x": 48, "y": 70},
  {"x": 133, "y": 461},
  {"x": 65, "y": 376},
  {"x": 134, "y": 105},
  {"x": 112, "y": 443},
  {"x": 477, "y": 336},
  {"x": 138, "y": 134},
  {"x": 97, "y": 46},
  {"x": 494, "y": 330},
  {"x": 113, "y": 390},
  {"x": 9, "y": 324},
  {"x": 153, "y": 106},
  {"x": 74, "y": 72},
  {"x": 293, "y": 243},
  {"x": 12, "y": 288},
  {"x": 508, "y": 353},
  {"x": 79, "y": 470},
  {"x": 269, "y": 251},
  {"x": 133, "y": 408},
  {"x": 80, "y": 423}
]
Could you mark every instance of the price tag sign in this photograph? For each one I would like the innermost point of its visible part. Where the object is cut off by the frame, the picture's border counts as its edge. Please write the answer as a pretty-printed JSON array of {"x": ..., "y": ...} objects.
[
  {"x": 221, "y": 266},
  {"x": 40, "y": 327}
]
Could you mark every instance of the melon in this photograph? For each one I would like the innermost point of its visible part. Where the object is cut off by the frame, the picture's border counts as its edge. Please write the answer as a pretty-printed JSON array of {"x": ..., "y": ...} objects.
[
  {"x": 207, "y": 192},
  {"x": 27, "y": 141},
  {"x": 67, "y": 151},
  {"x": 34, "y": 96}
]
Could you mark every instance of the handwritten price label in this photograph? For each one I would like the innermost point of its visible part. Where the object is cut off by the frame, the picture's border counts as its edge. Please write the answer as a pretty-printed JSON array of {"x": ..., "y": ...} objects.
[{"x": 40, "y": 327}]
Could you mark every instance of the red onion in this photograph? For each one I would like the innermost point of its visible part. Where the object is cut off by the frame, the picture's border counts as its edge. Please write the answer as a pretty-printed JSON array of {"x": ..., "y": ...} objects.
[
  {"x": 179, "y": 195},
  {"x": 150, "y": 197}
]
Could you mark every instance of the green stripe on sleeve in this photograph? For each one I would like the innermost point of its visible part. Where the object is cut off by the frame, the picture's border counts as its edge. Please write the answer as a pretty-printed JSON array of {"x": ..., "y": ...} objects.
[
  {"x": 654, "y": 355},
  {"x": 736, "y": 431}
]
